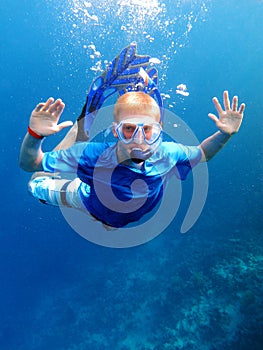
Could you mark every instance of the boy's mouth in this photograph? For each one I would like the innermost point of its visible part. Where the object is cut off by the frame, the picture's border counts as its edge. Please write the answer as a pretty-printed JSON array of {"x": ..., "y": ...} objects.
[{"x": 138, "y": 155}]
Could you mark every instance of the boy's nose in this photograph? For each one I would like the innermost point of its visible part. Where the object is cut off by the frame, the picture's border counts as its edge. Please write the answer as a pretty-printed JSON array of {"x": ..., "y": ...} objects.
[{"x": 139, "y": 138}]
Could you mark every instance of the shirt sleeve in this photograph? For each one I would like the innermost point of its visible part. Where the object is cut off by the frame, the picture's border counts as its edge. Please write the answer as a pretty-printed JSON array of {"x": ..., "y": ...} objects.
[
  {"x": 187, "y": 158},
  {"x": 63, "y": 160}
]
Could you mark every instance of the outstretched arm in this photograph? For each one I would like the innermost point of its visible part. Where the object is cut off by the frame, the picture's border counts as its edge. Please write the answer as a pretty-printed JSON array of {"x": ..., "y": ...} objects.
[
  {"x": 43, "y": 122},
  {"x": 228, "y": 123}
]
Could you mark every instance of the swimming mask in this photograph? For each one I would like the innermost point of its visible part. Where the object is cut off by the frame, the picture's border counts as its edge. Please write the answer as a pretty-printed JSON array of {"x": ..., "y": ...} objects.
[{"x": 134, "y": 130}]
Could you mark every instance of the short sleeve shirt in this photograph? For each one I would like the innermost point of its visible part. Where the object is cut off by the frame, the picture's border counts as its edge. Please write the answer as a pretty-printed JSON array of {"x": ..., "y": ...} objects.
[{"x": 115, "y": 193}]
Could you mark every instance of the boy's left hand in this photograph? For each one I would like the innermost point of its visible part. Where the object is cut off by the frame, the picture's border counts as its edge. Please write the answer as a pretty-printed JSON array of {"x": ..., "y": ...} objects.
[{"x": 230, "y": 118}]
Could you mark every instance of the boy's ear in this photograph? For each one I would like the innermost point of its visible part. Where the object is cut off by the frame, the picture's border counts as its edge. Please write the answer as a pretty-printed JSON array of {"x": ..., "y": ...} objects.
[{"x": 114, "y": 130}]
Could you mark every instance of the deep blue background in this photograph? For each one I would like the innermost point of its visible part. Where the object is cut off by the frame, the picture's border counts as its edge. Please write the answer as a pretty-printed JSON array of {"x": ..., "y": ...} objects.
[{"x": 202, "y": 290}]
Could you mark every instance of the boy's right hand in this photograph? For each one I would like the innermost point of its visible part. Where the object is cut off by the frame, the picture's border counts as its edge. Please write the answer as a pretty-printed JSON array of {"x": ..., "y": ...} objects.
[{"x": 45, "y": 117}]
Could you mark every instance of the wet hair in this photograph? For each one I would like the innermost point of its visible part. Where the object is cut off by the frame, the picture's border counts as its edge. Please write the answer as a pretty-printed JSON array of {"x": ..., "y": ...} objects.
[{"x": 137, "y": 102}]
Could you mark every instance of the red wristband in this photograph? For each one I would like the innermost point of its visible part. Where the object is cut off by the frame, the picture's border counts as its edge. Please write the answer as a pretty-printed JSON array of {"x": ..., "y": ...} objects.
[{"x": 34, "y": 134}]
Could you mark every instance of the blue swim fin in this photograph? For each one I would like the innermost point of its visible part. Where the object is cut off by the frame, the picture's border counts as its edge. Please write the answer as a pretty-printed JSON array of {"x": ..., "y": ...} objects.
[{"x": 123, "y": 72}]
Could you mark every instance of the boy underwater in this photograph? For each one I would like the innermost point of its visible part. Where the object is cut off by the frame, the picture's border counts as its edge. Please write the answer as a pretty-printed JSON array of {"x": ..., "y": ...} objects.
[{"x": 117, "y": 183}]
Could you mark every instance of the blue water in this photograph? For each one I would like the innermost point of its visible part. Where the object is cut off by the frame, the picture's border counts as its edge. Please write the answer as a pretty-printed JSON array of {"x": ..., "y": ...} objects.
[{"x": 201, "y": 290}]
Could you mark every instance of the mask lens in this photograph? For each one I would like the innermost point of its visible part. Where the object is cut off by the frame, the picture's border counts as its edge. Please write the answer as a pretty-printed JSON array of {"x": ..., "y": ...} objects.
[
  {"x": 128, "y": 131},
  {"x": 151, "y": 132}
]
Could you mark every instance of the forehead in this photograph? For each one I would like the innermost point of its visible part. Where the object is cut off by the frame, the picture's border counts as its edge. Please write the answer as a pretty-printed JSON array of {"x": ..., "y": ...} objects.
[{"x": 137, "y": 118}]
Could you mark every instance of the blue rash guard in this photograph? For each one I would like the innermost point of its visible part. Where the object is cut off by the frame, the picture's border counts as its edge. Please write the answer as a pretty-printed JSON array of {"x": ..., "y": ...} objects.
[{"x": 117, "y": 194}]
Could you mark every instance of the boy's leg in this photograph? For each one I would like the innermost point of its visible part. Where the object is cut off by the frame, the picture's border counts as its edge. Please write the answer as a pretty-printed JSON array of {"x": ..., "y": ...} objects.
[
  {"x": 60, "y": 192},
  {"x": 53, "y": 190}
]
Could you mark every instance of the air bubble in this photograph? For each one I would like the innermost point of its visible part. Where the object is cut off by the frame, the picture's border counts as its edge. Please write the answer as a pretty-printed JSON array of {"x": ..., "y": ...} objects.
[
  {"x": 87, "y": 4},
  {"x": 97, "y": 54},
  {"x": 154, "y": 60},
  {"x": 181, "y": 89},
  {"x": 94, "y": 18},
  {"x": 92, "y": 47}
]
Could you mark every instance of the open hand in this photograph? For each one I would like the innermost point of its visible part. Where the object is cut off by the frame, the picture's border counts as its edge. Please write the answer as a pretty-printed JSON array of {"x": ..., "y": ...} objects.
[
  {"x": 230, "y": 118},
  {"x": 45, "y": 117}
]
